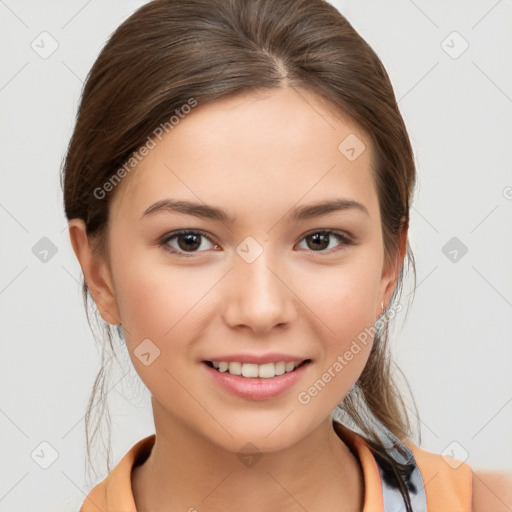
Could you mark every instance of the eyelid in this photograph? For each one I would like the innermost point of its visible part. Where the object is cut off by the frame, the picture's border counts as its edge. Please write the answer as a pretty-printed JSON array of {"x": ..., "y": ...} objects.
[{"x": 334, "y": 232}]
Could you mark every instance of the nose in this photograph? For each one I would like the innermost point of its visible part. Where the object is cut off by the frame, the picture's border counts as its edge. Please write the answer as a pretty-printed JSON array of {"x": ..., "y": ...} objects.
[{"x": 259, "y": 295}]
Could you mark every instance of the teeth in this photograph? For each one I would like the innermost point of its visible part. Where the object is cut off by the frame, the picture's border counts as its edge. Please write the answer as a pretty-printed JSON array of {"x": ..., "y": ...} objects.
[{"x": 263, "y": 371}]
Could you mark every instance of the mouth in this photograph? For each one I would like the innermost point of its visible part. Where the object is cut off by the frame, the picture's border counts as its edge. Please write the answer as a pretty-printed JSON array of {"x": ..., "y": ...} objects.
[
  {"x": 256, "y": 371},
  {"x": 252, "y": 381}
]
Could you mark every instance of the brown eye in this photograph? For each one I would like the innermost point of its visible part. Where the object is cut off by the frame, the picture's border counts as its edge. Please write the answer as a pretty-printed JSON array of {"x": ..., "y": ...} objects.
[
  {"x": 319, "y": 241},
  {"x": 186, "y": 242},
  {"x": 189, "y": 241}
]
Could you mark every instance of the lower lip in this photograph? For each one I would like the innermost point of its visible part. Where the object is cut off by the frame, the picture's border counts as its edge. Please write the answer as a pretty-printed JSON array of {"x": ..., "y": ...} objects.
[{"x": 255, "y": 388}]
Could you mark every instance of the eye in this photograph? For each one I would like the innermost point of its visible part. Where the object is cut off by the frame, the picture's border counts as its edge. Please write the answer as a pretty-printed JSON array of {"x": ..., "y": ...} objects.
[
  {"x": 319, "y": 240},
  {"x": 187, "y": 241}
]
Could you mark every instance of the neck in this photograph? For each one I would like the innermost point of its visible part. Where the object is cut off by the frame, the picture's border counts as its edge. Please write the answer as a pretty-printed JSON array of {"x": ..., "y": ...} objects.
[{"x": 185, "y": 471}]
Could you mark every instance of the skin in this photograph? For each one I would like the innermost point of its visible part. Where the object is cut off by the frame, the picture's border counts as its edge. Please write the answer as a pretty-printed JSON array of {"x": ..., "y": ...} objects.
[
  {"x": 492, "y": 491},
  {"x": 257, "y": 157}
]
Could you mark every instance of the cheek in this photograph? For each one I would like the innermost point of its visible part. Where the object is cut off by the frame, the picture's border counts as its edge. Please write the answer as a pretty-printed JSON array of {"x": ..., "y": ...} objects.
[
  {"x": 341, "y": 306},
  {"x": 342, "y": 298},
  {"x": 163, "y": 305},
  {"x": 154, "y": 297}
]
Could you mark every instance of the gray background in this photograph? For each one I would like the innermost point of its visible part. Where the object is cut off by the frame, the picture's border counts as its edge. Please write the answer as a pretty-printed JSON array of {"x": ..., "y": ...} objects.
[{"x": 455, "y": 346}]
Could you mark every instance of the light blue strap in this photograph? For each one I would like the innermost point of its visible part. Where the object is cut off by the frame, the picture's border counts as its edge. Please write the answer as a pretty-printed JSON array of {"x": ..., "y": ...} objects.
[{"x": 391, "y": 495}]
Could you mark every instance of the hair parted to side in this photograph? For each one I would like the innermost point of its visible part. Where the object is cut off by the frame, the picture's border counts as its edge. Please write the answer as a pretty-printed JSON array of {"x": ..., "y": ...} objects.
[{"x": 170, "y": 51}]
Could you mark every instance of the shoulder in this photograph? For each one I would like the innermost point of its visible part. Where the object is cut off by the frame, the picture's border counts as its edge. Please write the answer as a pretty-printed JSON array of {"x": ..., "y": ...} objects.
[
  {"x": 447, "y": 480},
  {"x": 468, "y": 488},
  {"x": 492, "y": 491},
  {"x": 115, "y": 491}
]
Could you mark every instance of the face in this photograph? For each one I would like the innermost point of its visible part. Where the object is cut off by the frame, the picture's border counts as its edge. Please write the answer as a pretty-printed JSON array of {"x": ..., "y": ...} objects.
[{"x": 260, "y": 281}]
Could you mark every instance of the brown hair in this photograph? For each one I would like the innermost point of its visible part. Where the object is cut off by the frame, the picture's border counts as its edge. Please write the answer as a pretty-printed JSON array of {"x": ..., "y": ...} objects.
[{"x": 170, "y": 51}]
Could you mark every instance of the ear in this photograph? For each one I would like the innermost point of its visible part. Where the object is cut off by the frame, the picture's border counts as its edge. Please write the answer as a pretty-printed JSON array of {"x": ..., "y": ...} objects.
[
  {"x": 391, "y": 269},
  {"x": 96, "y": 272}
]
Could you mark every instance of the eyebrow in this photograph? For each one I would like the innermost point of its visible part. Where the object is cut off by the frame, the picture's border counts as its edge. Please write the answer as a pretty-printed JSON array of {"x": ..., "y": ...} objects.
[{"x": 205, "y": 211}]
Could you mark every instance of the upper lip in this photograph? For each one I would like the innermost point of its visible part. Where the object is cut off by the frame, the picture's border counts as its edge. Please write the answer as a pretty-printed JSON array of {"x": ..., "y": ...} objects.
[{"x": 259, "y": 358}]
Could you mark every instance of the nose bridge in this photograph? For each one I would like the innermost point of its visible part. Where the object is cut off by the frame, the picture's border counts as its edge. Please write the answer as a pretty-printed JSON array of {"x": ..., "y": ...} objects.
[
  {"x": 259, "y": 275},
  {"x": 260, "y": 298}
]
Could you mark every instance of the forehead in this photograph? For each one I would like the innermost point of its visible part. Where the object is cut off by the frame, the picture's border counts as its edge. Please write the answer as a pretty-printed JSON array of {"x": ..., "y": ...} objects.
[{"x": 258, "y": 149}]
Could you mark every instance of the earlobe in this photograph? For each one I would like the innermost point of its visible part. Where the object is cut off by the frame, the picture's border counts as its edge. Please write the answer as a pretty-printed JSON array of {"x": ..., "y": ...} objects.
[{"x": 96, "y": 272}]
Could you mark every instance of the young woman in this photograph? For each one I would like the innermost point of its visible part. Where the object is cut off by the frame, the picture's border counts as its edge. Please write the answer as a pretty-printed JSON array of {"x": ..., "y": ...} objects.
[{"x": 238, "y": 188}]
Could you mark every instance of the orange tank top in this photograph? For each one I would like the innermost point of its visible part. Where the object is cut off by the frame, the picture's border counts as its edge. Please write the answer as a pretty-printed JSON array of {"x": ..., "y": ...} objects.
[{"x": 434, "y": 484}]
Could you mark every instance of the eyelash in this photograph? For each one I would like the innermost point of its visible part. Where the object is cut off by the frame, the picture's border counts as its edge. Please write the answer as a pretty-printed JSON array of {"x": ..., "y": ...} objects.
[{"x": 341, "y": 237}]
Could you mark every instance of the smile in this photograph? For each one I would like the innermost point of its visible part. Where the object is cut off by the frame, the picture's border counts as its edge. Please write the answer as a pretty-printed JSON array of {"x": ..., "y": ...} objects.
[
  {"x": 252, "y": 370},
  {"x": 256, "y": 381}
]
